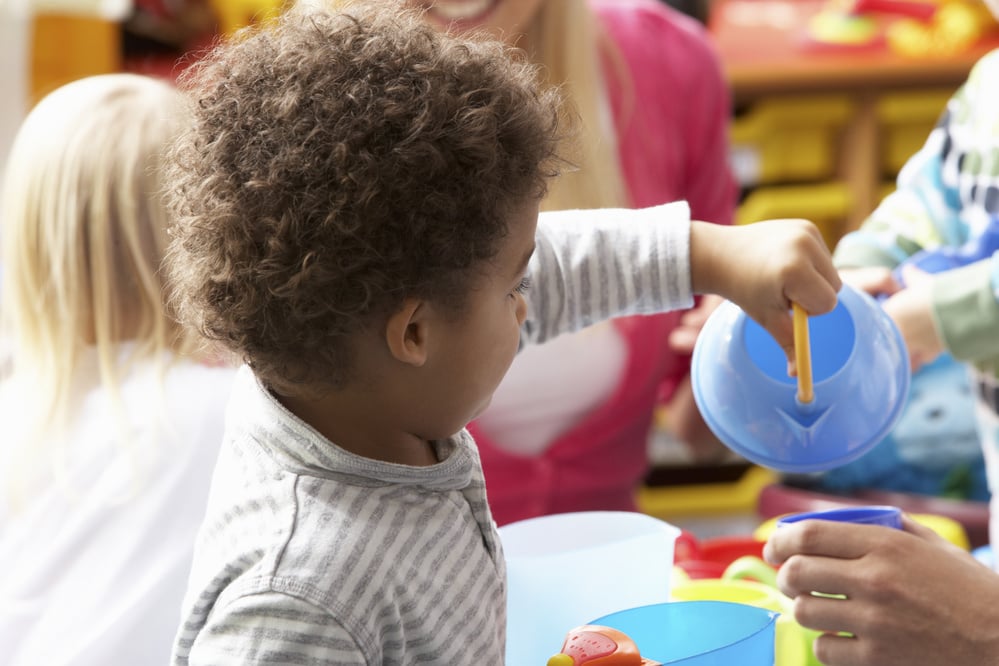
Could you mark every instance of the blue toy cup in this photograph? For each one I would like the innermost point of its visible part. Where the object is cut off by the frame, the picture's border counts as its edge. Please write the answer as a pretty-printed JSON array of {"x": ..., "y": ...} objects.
[
  {"x": 860, "y": 371},
  {"x": 699, "y": 633},
  {"x": 888, "y": 516}
]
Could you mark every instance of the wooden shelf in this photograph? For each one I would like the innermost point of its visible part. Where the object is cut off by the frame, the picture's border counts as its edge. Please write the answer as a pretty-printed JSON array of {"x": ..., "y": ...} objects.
[{"x": 766, "y": 54}]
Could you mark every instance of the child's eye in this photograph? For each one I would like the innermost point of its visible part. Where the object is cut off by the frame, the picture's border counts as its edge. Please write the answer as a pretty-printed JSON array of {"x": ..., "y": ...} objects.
[{"x": 525, "y": 284}]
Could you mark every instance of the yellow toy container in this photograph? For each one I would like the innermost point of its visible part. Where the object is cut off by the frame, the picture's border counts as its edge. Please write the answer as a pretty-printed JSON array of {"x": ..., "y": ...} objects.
[
  {"x": 906, "y": 119},
  {"x": 826, "y": 204},
  {"x": 66, "y": 48},
  {"x": 706, "y": 499},
  {"x": 236, "y": 14},
  {"x": 785, "y": 139}
]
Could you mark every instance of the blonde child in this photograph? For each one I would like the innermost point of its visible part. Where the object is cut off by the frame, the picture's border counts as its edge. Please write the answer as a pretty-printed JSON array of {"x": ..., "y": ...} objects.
[
  {"x": 111, "y": 426},
  {"x": 358, "y": 219}
]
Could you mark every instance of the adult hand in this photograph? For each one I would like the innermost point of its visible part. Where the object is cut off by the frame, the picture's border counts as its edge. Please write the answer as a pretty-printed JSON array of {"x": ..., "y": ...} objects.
[
  {"x": 912, "y": 598},
  {"x": 763, "y": 268},
  {"x": 912, "y": 311}
]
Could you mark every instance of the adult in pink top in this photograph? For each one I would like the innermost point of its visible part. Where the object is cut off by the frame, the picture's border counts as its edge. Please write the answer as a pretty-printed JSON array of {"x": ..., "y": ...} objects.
[{"x": 568, "y": 429}]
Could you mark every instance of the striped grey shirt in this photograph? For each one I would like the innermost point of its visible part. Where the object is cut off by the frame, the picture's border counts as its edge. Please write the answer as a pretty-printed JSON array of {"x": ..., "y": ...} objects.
[{"x": 312, "y": 555}]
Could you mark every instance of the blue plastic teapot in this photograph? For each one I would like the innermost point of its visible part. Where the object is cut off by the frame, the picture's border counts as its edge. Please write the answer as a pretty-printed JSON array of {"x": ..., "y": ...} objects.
[{"x": 860, "y": 371}]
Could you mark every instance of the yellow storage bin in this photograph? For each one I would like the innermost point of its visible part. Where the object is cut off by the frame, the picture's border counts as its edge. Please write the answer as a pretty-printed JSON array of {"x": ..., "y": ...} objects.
[
  {"x": 788, "y": 138},
  {"x": 236, "y": 14},
  {"x": 67, "y": 48},
  {"x": 739, "y": 496},
  {"x": 906, "y": 119},
  {"x": 825, "y": 204}
]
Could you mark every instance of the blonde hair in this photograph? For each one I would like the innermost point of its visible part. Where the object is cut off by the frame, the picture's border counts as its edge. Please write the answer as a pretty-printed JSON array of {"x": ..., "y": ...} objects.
[
  {"x": 569, "y": 44},
  {"x": 83, "y": 234}
]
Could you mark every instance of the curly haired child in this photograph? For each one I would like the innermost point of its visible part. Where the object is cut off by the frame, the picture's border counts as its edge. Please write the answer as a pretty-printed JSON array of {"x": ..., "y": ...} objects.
[{"x": 357, "y": 208}]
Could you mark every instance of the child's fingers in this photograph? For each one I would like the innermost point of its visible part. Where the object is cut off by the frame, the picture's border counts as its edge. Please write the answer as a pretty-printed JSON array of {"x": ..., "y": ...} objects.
[
  {"x": 818, "y": 298},
  {"x": 874, "y": 280},
  {"x": 914, "y": 277},
  {"x": 827, "y": 270},
  {"x": 815, "y": 290},
  {"x": 778, "y": 324},
  {"x": 682, "y": 339}
]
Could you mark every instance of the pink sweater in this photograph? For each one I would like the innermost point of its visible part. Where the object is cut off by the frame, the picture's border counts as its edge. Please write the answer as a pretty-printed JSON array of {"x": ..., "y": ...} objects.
[{"x": 672, "y": 116}]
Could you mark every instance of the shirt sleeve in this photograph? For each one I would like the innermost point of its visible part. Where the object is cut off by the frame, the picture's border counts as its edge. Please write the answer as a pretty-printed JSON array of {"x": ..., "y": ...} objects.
[
  {"x": 966, "y": 310},
  {"x": 593, "y": 265},
  {"x": 273, "y": 628},
  {"x": 924, "y": 210}
]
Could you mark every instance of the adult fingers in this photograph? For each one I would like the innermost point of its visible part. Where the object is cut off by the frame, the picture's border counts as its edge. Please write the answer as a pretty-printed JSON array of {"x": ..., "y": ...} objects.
[
  {"x": 804, "y": 574},
  {"x": 909, "y": 524},
  {"x": 826, "y": 538},
  {"x": 826, "y": 614},
  {"x": 836, "y": 650}
]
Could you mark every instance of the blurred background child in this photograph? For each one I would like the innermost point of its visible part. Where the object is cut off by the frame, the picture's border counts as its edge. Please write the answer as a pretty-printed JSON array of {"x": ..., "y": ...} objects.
[{"x": 111, "y": 423}]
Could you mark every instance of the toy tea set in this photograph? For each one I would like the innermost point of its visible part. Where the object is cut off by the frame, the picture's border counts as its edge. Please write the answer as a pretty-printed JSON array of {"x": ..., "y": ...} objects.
[{"x": 610, "y": 574}]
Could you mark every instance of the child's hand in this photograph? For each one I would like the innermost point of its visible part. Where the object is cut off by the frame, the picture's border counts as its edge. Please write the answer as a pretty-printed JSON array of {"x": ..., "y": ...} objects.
[
  {"x": 873, "y": 280},
  {"x": 912, "y": 311},
  {"x": 763, "y": 268},
  {"x": 683, "y": 337}
]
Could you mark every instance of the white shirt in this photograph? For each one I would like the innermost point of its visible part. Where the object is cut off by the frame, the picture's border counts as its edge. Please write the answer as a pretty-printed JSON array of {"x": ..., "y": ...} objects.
[
  {"x": 552, "y": 387},
  {"x": 96, "y": 576}
]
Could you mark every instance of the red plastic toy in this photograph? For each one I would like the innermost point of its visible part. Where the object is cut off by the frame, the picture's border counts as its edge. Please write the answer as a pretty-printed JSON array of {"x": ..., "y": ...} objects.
[{"x": 594, "y": 645}]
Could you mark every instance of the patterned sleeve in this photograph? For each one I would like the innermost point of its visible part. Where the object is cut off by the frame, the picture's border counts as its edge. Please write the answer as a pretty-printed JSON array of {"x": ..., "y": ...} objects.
[
  {"x": 924, "y": 211},
  {"x": 948, "y": 199},
  {"x": 966, "y": 310},
  {"x": 597, "y": 264},
  {"x": 272, "y": 628}
]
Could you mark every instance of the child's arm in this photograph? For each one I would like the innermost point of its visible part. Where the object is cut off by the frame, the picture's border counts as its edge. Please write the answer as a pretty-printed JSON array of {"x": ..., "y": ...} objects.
[
  {"x": 594, "y": 265},
  {"x": 955, "y": 311},
  {"x": 925, "y": 210}
]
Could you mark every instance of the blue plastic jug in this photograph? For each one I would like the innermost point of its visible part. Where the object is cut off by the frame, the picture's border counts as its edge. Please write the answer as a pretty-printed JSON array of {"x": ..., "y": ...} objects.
[{"x": 861, "y": 377}]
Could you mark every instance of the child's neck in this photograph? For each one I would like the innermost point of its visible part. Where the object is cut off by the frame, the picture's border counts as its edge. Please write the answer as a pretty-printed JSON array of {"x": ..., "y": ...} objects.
[{"x": 348, "y": 420}]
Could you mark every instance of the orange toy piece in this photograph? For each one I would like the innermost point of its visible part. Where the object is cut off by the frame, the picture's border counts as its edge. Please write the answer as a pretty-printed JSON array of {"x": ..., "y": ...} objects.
[{"x": 593, "y": 645}]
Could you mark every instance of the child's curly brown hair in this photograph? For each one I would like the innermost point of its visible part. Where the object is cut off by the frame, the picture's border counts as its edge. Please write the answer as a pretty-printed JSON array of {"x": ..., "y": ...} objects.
[{"x": 337, "y": 163}]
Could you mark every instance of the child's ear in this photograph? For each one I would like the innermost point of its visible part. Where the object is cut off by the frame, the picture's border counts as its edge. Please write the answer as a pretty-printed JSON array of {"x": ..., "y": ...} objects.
[{"x": 406, "y": 332}]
